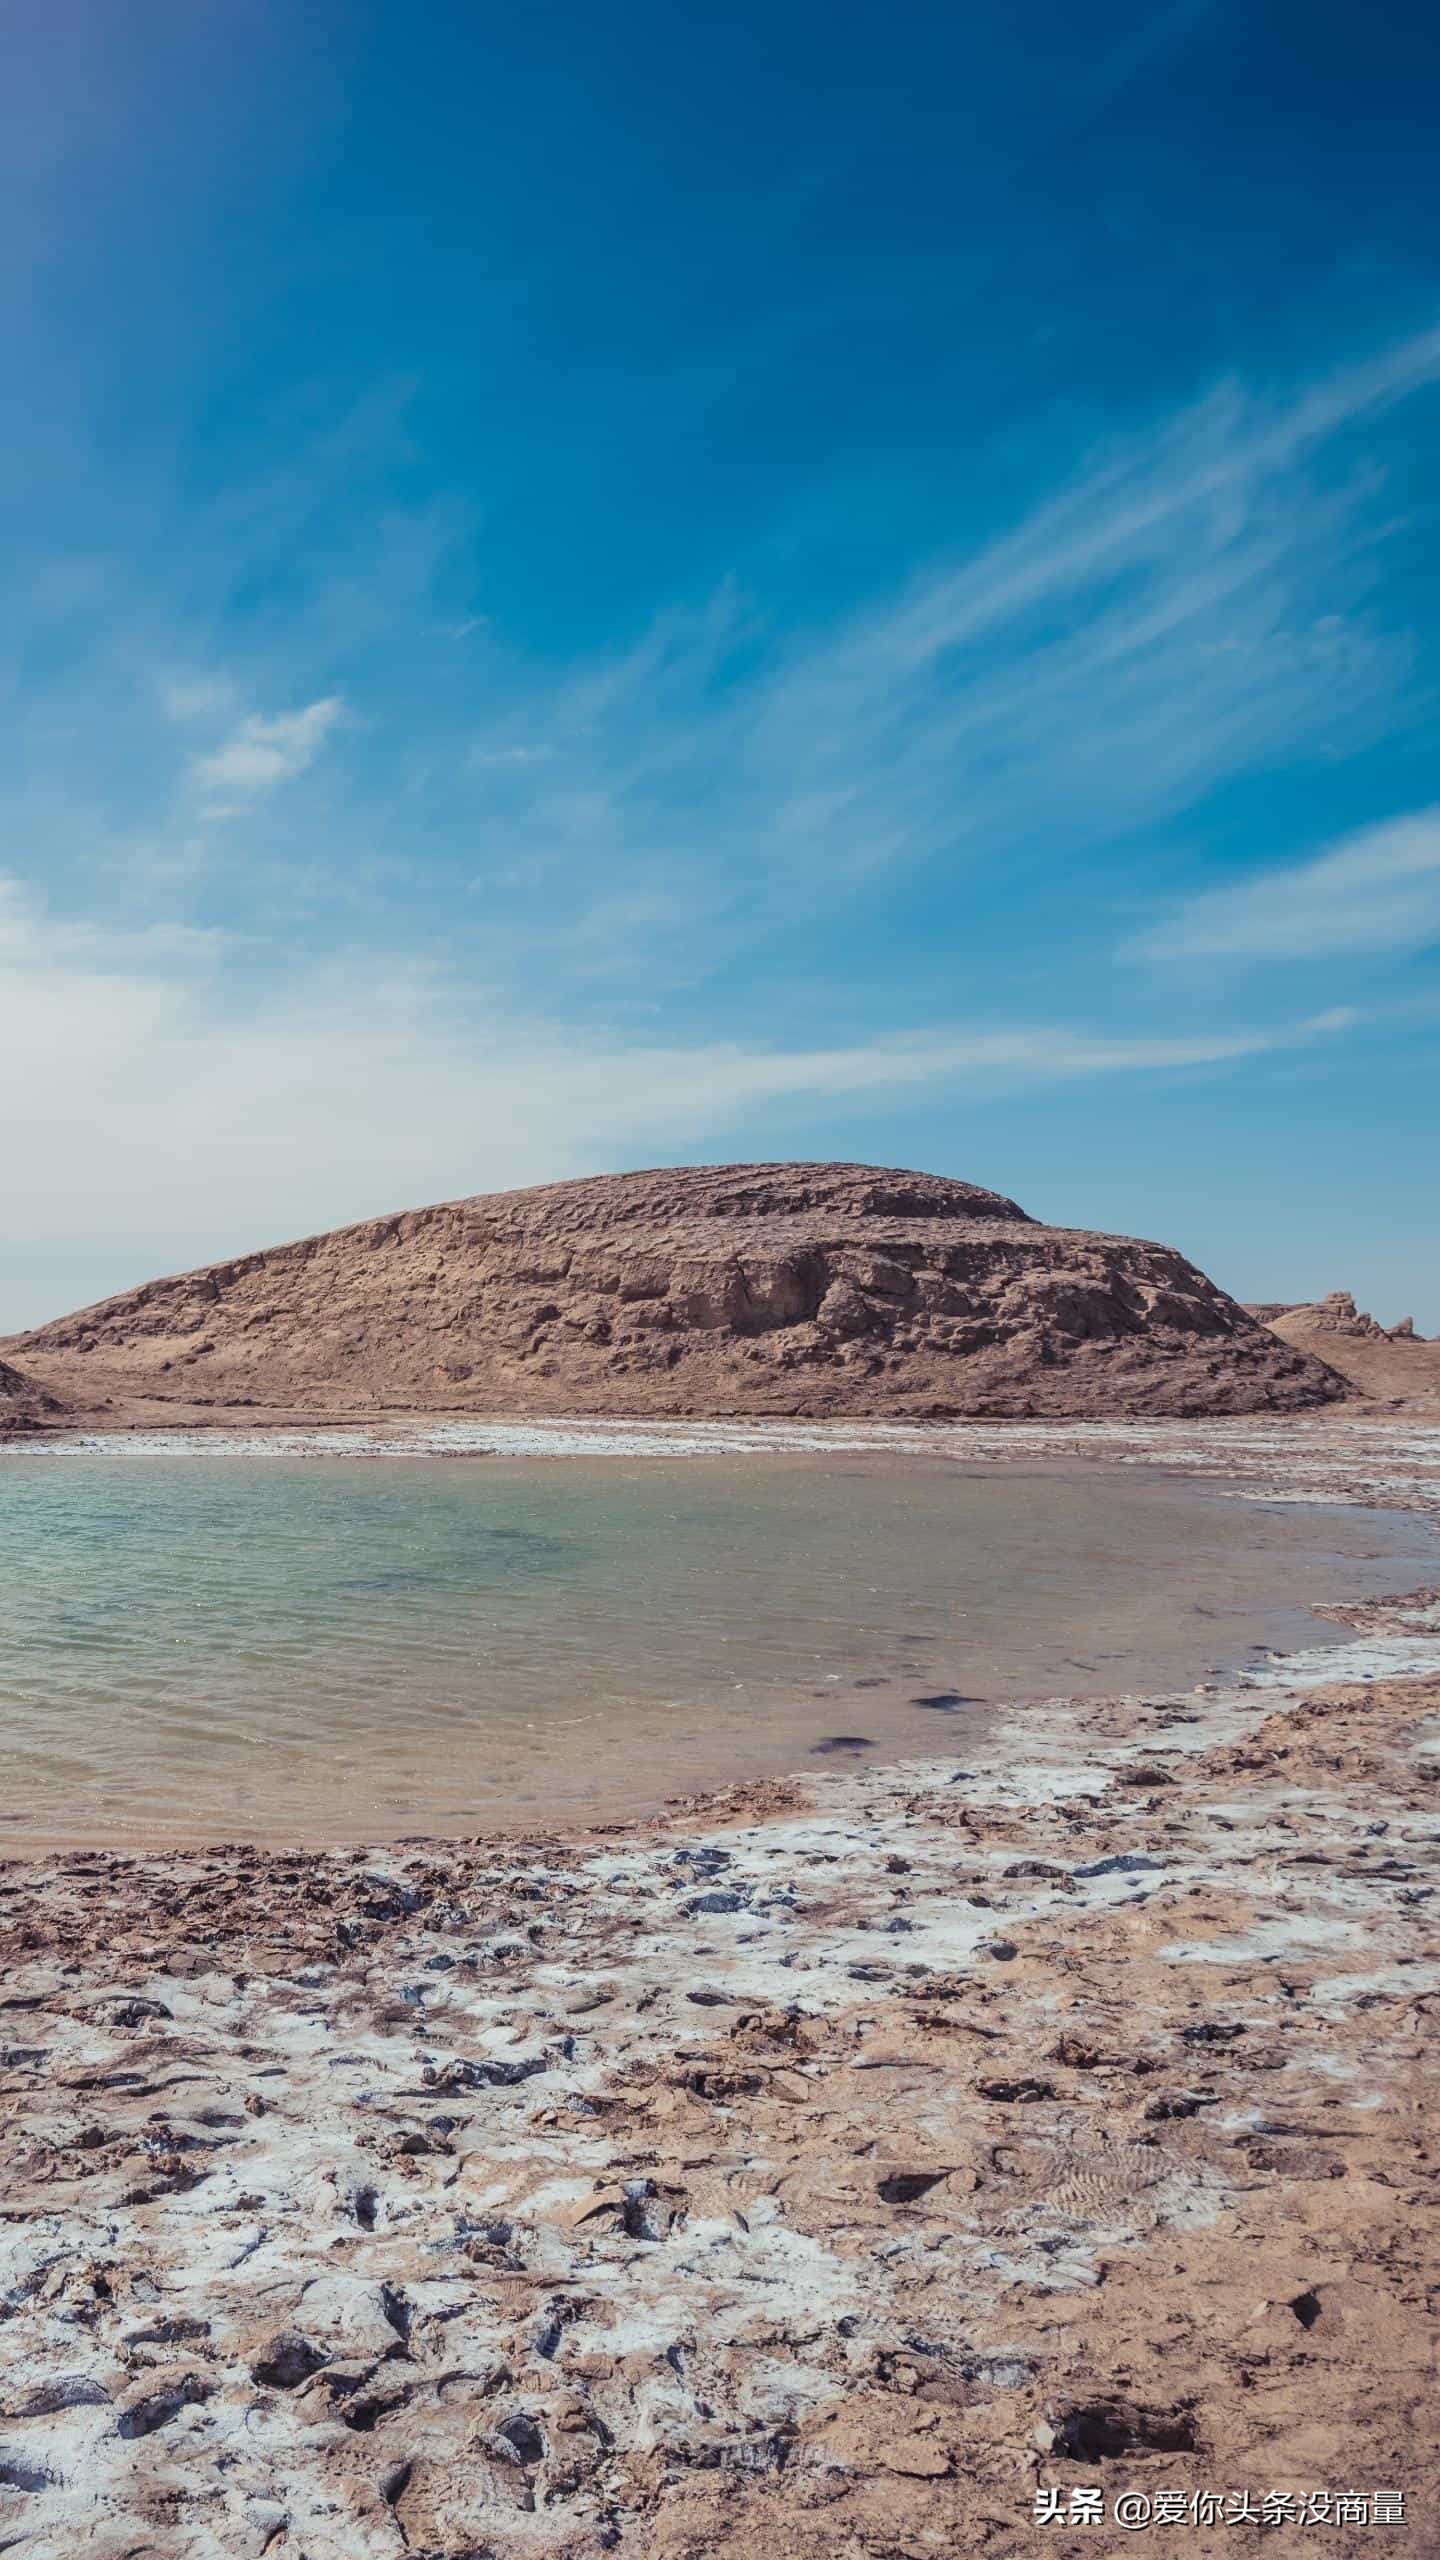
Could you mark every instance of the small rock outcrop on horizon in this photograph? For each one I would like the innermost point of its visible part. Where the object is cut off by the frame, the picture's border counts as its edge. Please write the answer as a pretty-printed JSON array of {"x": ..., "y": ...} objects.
[
  {"x": 1335, "y": 1313},
  {"x": 788, "y": 1289},
  {"x": 1391, "y": 1362}
]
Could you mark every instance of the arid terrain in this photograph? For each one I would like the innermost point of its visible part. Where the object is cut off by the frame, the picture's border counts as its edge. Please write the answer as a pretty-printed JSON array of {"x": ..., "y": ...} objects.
[
  {"x": 848, "y": 2166},
  {"x": 1393, "y": 1365},
  {"x": 862, "y": 2165},
  {"x": 23, "y": 1405},
  {"x": 743, "y": 1289}
]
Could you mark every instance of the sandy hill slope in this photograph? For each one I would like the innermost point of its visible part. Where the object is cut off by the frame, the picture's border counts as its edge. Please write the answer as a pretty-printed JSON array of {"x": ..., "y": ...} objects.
[
  {"x": 23, "y": 1405},
  {"x": 805, "y": 1289},
  {"x": 1397, "y": 1366}
]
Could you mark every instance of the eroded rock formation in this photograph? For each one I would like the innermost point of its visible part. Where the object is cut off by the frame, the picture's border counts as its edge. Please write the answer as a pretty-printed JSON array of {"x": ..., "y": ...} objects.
[
  {"x": 807, "y": 1289},
  {"x": 23, "y": 1405},
  {"x": 1393, "y": 1363}
]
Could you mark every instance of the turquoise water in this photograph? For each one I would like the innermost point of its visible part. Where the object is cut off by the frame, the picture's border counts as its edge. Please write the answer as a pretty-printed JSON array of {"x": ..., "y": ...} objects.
[{"x": 199, "y": 1647}]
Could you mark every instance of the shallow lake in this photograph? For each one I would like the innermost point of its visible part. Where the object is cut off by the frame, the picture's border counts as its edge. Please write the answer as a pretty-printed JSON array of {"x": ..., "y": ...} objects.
[{"x": 195, "y": 1647}]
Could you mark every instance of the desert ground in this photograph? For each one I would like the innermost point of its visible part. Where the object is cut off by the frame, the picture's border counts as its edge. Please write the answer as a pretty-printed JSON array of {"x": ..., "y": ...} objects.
[{"x": 874, "y": 2163}]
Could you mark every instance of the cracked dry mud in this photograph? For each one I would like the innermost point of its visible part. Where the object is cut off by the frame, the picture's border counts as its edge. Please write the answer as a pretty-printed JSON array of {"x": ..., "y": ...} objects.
[{"x": 815, "y": 2170}]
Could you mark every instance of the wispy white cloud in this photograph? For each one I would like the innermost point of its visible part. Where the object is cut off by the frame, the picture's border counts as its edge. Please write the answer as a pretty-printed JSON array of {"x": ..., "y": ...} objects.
[
  {"x": 1376, "y": 890},
  {"x": 187, "y": 698},
  {"x": 175, "y": 1124},
  {"x": 1197, "y": 603},
  {"x": 260, "y": 753}
]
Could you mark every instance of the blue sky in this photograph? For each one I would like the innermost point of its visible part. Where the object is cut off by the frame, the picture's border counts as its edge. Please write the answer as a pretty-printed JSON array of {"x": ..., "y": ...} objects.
[{"x": 590, "y": 588}]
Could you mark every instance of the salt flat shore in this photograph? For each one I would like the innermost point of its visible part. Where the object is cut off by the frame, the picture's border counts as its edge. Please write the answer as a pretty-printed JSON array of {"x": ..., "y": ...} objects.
[
  {"x": 843, "y": 2165},
  {"x": 1353, "y": 1454}
]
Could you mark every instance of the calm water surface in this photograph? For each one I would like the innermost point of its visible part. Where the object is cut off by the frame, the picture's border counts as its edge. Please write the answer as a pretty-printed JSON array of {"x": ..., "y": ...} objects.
[{"x": 201, "y": 1647}]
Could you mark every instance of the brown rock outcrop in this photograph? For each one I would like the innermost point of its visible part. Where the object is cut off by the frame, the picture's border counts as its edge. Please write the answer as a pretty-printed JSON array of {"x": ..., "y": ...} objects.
[
  {"x": 1336, "y": 1313},
  {"x": 1395, "y": 1364},
  {"x": 23, "y": 1405},
  {"x": 738, "y": 1289}
]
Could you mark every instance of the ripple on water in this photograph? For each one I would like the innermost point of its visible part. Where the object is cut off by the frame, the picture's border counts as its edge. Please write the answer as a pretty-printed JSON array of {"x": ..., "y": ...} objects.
[{"x": 196, "y": 1645}]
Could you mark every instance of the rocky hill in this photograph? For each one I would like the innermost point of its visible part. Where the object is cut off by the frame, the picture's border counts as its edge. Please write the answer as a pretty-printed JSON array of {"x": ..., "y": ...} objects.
[
  {"x": 1393, "y": 1364},
  {"x": 23, "y": 1405},
  {"x": 798, "y": 1289}
]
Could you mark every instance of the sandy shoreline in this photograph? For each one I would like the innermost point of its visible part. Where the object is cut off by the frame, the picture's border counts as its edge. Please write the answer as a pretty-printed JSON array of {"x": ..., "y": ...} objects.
[{"x": 829, "y": 2167}]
